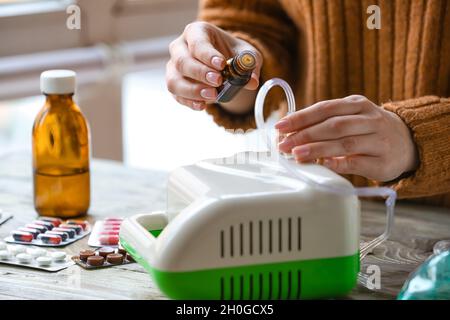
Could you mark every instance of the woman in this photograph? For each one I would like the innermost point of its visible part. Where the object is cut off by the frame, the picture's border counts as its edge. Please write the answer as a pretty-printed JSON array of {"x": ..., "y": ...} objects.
[{"x": 346, "y": 73}]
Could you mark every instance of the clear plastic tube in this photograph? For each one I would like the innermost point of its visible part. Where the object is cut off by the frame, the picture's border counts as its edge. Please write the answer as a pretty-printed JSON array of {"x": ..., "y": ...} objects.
[{"x": 287, "y": 163}]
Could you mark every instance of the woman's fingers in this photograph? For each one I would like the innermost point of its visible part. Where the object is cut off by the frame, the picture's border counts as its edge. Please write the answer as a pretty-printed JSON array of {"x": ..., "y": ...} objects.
[
  {"x": 364, "y": 144},
  {"x": 193, "y": 72},
  {"x": 199, "y": 38},
  {"x": 366, "y": 166},
  {"x": 192, "y": 68},
  {"x": 253, "y": 84},
  {"x": 319, "y": 112},
  {"x": 195, "y": 105},
  {"x": 187, "y": 88},
  {"x": 330, "y": 129}
]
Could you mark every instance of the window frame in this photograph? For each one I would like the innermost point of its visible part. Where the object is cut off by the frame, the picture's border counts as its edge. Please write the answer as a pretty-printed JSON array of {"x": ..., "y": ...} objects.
[
  {"x": 104, "y": 39},
  {"x": 102, "y": 21}
]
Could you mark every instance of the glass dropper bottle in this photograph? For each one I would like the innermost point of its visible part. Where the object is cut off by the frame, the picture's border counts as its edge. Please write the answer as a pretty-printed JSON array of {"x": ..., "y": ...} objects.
[{"x": 236, "y": 75}]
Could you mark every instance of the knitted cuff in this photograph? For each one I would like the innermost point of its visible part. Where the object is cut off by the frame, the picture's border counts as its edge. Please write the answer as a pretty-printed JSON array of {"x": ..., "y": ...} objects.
[{"x": 428, "y": 118}]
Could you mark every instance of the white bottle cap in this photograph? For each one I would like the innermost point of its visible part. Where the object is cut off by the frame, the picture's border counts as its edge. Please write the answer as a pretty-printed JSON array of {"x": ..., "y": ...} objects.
[{"x": 58, "y": 81}]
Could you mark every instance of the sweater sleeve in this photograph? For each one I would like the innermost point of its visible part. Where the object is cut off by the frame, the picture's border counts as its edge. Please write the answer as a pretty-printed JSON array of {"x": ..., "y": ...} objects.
[
  {"x": 265, "y": 25},
  {"x": 428, "y": 118}
]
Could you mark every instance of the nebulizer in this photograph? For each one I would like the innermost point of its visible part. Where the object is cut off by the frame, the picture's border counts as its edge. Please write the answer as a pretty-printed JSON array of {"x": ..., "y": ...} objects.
[
  {"x": 289, "y": 165},
  {"x": 255, "y": 225}
]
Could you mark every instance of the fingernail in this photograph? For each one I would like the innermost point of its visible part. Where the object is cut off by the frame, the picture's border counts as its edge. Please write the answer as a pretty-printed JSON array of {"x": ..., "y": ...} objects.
[
  {"x": 213, "y": 78},
  {"x": 282, "y": 124},
  {"x": 327, "y": 162},
  {"x": 254, "y": 76},
  {"x": 197, "y": 105},
  {"x": 209, "y": 93},
  {"x": 285, "y": 145},
  {"x": 301, "y": 152},
  {"x": 217, "y": 62},
  {"x": 253, "y": 84}
]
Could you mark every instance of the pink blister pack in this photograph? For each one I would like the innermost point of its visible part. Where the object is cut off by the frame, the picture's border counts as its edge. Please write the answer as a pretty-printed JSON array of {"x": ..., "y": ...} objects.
[{"x": 105, "y": 233}]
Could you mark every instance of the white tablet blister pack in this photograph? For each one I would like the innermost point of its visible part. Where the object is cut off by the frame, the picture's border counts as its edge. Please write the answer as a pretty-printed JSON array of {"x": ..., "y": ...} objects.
[{"x": 34, "y": 257}]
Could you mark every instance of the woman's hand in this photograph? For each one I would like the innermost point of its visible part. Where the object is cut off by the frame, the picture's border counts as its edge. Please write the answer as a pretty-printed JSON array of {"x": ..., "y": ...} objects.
[
  {"x": 352, "y": 136},
  {"x": 197, "y": 58}
]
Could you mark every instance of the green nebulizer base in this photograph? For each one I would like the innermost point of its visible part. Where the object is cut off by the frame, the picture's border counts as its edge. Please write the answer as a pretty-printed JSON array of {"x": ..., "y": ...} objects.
[{"x": 306, "y": 279}]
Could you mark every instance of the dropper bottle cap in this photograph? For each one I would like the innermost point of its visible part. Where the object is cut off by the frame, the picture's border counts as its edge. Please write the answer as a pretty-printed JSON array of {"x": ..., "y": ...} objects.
[{"x": 245, "y": 62}]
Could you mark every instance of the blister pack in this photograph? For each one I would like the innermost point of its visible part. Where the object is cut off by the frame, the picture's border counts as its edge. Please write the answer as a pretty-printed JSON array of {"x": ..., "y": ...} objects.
[
  {"x": 102, "y": 257},
  {"x": 33, "y": 257},
  {"x": 50, "y": 232},
  {"x": 105, "y": 233}
]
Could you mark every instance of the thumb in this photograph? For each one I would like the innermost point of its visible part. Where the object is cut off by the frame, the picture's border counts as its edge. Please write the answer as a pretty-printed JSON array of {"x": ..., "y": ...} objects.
[{"x": 253, "y": 84}]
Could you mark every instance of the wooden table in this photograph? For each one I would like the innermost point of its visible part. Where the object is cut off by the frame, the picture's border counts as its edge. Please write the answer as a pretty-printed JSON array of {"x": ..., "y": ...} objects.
[{"x": 121, "y": 191}]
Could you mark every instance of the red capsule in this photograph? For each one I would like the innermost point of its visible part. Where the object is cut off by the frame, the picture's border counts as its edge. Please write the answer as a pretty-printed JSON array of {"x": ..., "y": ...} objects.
[
  {"x": 75, "y": 227},
  {"x": 41, "y": 229},
  {"x": 112, "y": 223},
  {"x": 61, "y": 234},
  {"x": 113, "y": 219},
  {"x": 34, "y": 232},
  {"x": 46, "y": 224},
  {"x": 109, "y": 233},
  {"x": 22, "y": 236},
  {"x": 109, "y": 240},
  {"x": 111, "y": 228},
  {"x": 81, "y": 223},
  {"x": 70, "y": 232},
  {"x": 49, "y": 238},
  {"x": 55, "y": 221}
]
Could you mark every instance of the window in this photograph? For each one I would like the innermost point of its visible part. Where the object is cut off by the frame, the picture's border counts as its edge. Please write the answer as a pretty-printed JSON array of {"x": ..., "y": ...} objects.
[{"x": 16, "y": 120}]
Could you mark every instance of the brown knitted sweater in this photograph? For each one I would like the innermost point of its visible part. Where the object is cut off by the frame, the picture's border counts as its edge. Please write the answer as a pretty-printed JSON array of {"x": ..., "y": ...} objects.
[{"x": 325, "y": 50}]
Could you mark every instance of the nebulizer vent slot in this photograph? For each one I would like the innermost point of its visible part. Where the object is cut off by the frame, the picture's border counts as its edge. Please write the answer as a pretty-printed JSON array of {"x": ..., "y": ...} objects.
[
  {"x": 289, "y": 166},
  {"x": 261, "y": 237},
  {"x": 271, "y": 285}
]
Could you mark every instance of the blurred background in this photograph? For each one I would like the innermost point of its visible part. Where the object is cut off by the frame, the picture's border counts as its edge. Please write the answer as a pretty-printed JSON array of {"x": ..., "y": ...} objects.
[{"x": 119, "y": 53}]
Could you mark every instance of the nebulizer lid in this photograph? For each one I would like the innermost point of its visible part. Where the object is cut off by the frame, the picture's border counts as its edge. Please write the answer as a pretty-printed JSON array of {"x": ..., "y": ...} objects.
[{"x": 287, "y": 162}]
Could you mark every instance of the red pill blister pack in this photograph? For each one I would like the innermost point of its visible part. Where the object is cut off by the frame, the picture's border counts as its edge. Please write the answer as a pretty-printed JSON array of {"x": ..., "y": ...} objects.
[
  {"x": 50, "y": 232},
  {"x": 105, "y": 233}
]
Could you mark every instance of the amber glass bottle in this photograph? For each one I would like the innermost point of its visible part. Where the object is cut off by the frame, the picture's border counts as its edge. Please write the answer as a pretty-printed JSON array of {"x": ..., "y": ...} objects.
[
  {"x": 236, "y": 75},
  {"x": 60, "y": 150}
]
